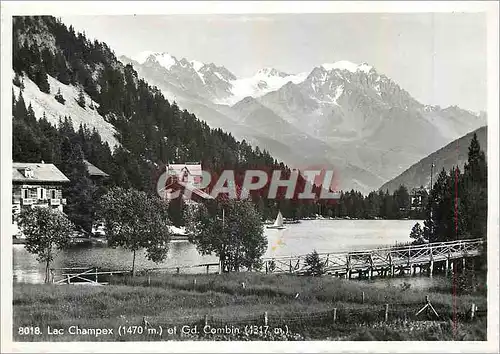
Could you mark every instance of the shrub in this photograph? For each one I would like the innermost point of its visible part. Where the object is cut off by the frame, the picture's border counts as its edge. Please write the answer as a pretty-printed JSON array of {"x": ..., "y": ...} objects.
[{"x": 314, "y": 265}]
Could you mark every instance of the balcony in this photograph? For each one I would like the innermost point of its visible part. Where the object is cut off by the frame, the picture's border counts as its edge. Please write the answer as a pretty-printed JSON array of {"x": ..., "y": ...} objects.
[
  {"x": 55, "y": 201},
  {"x": 27, "y": 201}
]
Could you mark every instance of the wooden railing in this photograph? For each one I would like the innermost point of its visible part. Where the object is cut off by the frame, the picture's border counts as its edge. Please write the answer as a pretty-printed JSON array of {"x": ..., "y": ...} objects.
[
  {"x": 384, "y": 259},
  {"x": 379, "y": 258}
]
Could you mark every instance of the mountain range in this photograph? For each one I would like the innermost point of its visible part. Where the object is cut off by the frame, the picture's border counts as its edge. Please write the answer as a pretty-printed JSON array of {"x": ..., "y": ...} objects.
[{"x": 340, "y": 115}]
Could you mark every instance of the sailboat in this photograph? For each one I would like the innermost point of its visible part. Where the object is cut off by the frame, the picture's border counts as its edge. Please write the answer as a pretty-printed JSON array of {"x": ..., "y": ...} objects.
[{"x": 278, "y": 223}]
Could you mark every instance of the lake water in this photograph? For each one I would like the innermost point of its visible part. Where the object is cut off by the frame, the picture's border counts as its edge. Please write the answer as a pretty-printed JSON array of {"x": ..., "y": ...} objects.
[{"x": 296, "y": 239}]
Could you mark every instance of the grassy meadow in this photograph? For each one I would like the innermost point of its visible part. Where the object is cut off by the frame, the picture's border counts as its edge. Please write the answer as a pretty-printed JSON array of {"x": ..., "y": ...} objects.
[{"x": 302, "y": 308}]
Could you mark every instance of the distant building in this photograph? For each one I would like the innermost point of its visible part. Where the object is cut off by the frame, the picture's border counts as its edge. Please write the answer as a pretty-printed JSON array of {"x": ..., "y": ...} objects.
[
  {"x": 185, "y": 178},
  {"x": 36, "y": 185},
  {"x": 94, "y": 172},
  {"x": 417, "y": 198}
]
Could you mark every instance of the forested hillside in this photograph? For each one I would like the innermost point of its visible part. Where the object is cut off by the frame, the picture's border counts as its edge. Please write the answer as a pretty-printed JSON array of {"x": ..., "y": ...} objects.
[{"x": 150, "y": 130}]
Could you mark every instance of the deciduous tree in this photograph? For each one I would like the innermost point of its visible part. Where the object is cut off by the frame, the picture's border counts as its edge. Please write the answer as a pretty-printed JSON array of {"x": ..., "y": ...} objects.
[
  {"x": 135, "y": 221},
  {"x": 45, "y": 229},
  {"x": 231, "y": 229}
]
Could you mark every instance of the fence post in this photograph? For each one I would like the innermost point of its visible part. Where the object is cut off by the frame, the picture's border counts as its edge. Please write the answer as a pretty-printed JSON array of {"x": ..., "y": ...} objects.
[
  {"x": 69, "y": 279},
  {"x": 290, "y": 265},
  {"x": 363, "y": 297},
  {"x": 265, "y": 318},
  {"x": 386, "y": 316},
  {"x": 207, "y": 268},
  {"x": 149, "y": 279},
  {"x": 178, "y": 270},
  {"x": 243, "y": 285},
  {"x": 267, "y": 267},
  {"x": 472, "y": 311},
  {"x": 334, "y": 314},
  {"x": 206, "y": 320},
  {"x": 96, "y": 275},
  {"x": 194, "y": 281}
]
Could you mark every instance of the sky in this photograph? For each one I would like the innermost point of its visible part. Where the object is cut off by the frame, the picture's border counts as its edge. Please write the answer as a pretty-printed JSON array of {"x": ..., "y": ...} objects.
[{"x": 439, "y": 58}]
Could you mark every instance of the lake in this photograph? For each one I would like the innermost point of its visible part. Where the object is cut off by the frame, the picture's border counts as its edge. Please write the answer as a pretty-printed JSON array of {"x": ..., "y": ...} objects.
[{"x": 296, "y": 239}]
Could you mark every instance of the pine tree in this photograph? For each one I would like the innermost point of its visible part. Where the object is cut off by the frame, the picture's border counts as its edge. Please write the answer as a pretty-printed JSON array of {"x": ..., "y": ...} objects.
[
  {"x": 18, "y": 81},
  {"x": 80, "y": 207},
  {"x": 81, "y": 98},
  {"x": 41, "y": 80},
  {"x": 474, "y": 190},
  {"x": 59, "y": 97},
  {"x": 417, "y": 234}
]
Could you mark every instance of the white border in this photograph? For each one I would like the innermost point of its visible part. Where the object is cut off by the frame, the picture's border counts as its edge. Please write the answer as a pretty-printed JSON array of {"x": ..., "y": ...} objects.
[{"x": 121, "y": 8}]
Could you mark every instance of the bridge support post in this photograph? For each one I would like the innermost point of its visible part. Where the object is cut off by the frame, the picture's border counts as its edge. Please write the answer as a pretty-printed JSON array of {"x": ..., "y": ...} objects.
[
  {"x": 447, "y": 266},
  {"x": 463, "y": 265},
  {"x": 348, "y": 267},
  {"x": 431, "y": 268}
]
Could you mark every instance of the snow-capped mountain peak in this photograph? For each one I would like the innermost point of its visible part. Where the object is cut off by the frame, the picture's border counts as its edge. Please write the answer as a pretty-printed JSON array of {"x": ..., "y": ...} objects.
[
  {"x": 347, "y": 65},
  {"x": 271, "y": 72},
  {"x": 197, "y": 65},
  {"x": 164, "y": 59}
]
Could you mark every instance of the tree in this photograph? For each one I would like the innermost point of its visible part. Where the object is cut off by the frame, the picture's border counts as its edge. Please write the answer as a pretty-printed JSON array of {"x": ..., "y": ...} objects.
[
  {"x": 402, "y": 202},
  {"x": 59, "y": 97},
  {"x": 136, "y": 221},
  {"x": 314, "y": 265},
  {"x": 231, "y": 229},
  {"x": 41, "y": 80},
  {"x": 474, "y": 192},
  {"x": 44, "y": 229},
  {"x": 80, "y": 189},
  {"x": 417, "y": 234},
  {"x": 18, "y": 81},
  {"x": 81, "y": 98}
]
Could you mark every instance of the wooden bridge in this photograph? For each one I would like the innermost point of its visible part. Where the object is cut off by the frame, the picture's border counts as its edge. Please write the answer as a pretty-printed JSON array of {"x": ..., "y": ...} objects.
[{"x": 385, "y": 261}]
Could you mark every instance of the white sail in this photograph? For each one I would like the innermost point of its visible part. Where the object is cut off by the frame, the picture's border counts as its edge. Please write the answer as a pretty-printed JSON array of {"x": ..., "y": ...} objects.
[{"x": 279, "y": 220}]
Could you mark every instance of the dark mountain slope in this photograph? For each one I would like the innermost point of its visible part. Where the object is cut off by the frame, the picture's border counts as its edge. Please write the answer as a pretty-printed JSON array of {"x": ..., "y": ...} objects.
[{"x": 453, "y": 154}]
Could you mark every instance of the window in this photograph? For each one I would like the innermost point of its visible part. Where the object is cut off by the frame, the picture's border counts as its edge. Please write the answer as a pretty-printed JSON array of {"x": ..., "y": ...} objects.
[
  {"x": 52, "y": 194},
  {"x": 42, "y": 193},
  {"x": 24, "y": 193}
]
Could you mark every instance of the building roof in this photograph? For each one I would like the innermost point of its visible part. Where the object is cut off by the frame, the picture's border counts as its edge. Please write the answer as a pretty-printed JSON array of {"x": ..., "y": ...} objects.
[
  {"x": 94, "y": 171},
  {"x": 42, "y": 172},
  {"x": 195, "y": 190},
  {"x": 183, "y": 186}
]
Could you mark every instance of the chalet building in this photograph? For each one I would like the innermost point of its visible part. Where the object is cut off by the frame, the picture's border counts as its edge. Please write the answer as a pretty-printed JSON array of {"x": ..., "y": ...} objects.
[
  {"x": 185, "y": 178},
  {"x": 189, "y": 172},
  {"x": 36, "y": 185}
]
